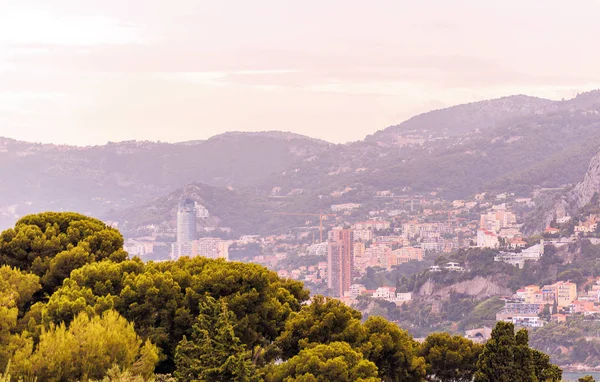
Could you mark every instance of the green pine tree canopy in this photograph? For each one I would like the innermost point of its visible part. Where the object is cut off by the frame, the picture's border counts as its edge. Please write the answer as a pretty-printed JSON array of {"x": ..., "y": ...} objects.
[{"x": 74, "y": 307}]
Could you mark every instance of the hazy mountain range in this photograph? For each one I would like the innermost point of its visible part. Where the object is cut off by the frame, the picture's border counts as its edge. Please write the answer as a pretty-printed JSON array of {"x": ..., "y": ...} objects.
[{"x": 511, "y": 144}]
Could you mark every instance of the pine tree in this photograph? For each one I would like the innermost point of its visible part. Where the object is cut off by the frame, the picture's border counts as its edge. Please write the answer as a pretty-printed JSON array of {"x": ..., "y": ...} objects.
[
  {"x": 496, "y": 363},
  {"x": 587, "y": 378},
  {"x": 544, "y": 370},
  {"x": 214, "y": 353},
  {"x": 508, "y": 358},
  {"x": 524, "y": 363}
]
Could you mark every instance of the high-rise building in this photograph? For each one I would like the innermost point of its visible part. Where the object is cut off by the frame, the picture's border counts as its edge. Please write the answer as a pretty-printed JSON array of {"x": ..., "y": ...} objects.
[
  {"x": 340, "y": 261},
  {"x": 186, "y": 221},
  {"x": 186, "y": 229}
]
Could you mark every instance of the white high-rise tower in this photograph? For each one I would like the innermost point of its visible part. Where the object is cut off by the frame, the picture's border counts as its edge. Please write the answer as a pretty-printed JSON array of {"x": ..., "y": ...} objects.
[
  {"x": 186, "y": 229},
  {"x": 186, "y": 221}
]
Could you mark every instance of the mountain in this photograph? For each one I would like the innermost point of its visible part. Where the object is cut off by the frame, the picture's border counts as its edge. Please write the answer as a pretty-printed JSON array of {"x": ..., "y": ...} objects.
[
  {"x": 461, "y": 119},
  {"x": 279, "y": 135},
  {"x": 515, "y": 143},
  {"x": 503, "y": 147},
  {"x": 119, "y": 175},
  {"x": 239, "y": 210},
  {"x": 244, "y": 211}
]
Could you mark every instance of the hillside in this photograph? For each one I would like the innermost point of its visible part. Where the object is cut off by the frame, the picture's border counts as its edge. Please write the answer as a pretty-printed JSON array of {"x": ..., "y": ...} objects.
[
  {"x": 501, "y": 148},
  {"x": 455, "y": 301},
  {"x": 461, "y": 119},
  {"x": 512, "y": 144},
  {"x": 95, "y": 179},
  {"x": 570, "y": 203},
  {"x": 243, "y": 212}
]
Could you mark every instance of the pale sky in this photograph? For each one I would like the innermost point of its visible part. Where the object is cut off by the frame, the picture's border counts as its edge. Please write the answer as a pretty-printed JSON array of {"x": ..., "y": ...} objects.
[{"x": 87, "y": 72}]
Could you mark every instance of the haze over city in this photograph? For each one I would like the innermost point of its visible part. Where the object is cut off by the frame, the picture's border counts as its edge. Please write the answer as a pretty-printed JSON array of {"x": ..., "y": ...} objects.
[
  {"x": 81, "y": 72},
  {"x": 272, "y": 190}
]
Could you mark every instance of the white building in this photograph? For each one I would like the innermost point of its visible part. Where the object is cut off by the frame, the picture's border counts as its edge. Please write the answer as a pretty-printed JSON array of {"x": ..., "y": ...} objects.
[
  {"x": 210, "y": 247},
  {"x": 432, "y": 246},
  {"x": 372, "y": 225},
  {"x": 138, "y": 248},
  {"x": 563, "y": 219},
  {"x": 356, "y": 290},
  {"x": 389, "y": 294},
  {"x": 318, "y": 249},
  {"x": 454, "y": 267},
  {"x": 533, "y": 253},
  {"x": 344, "y": 207},
  {"x": 403, "y": 297},
  {"x": 526, "y": 320},
  {"x": 487, "y": 239},
  {"x": 385, "y": 293},
  {"x": 201, "y": 211},
  {"x": 213, "y": 248}
]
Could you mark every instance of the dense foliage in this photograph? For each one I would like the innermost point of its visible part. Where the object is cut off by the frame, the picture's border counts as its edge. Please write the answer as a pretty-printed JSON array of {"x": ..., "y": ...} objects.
[
  {"x": 507, "y": 357},
  {"x": 450, "y": 358},
  {"x": 51, "y": 245},
  {"x": 110, "y": 318}
]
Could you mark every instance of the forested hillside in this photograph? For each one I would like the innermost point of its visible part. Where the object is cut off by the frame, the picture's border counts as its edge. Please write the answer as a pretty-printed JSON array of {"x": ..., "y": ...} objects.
[
  {"x": 96, "y": 179},
  {"x": 512, "y": 144},
  {"x": 74, "y": 307},
  {"x": 516, "y": 148}
]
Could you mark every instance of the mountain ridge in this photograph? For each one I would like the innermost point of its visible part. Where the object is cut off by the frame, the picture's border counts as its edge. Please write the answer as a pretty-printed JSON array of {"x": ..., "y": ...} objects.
[
  {"x": 513, "y": 148},
  {"x": 526, "y": 104},
  {"x": 278, "y": 134}
]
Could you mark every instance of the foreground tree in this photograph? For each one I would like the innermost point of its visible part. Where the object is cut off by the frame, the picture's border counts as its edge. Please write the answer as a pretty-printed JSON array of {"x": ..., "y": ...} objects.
[
  {"x": 51, "y": 245},
  {"x": 68, "y": 302},
  {"x": 393, "y": 351},
  {"x": 507, "y": 357},
  {"x": 88, "y": 348},
  {"x": 544, "y": 370},
  {"x": 327, "y": 320},
  {"x": 16, "y": 291},
  {"x": 163, "y": 299},
  {"x": 213, "y": 353},
  {"x": 524, "y": 362},
  {"x": 336, "y": 361},
  {"x": 496, "y": 363},
  {"x": 450, "y": 358},
  {"x": 324, "y": 320}
]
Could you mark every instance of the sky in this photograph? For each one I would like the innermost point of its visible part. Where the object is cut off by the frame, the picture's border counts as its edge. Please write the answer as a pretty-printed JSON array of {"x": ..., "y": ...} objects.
[{"x": 87, "y": 72}]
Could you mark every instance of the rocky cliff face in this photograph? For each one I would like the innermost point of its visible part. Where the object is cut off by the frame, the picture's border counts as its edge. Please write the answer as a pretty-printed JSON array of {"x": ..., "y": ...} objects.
[
  {"x": 574, "y": 200},
  {"x": 479, "y": 287},
  {"x": 583, "y": 193}
]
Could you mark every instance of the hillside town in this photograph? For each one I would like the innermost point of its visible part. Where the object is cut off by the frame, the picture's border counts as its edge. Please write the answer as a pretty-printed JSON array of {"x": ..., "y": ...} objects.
[{"x": 332, "y": 251}]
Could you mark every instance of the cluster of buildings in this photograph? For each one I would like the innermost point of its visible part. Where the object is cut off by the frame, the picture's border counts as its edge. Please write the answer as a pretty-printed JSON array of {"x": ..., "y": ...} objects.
[
  {"x": 590, "y": 225},
  {"x": 499, "y": 225},
  {"x": 386, "y": 293},
  {"x": 561, "y": 299},
  {"x": 399, "y": 230},
  {"x": 351, "y": 251}
]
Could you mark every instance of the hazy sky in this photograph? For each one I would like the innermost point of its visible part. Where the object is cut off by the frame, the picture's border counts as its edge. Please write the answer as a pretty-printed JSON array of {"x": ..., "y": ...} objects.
[{"x": 86, "y": 72}]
